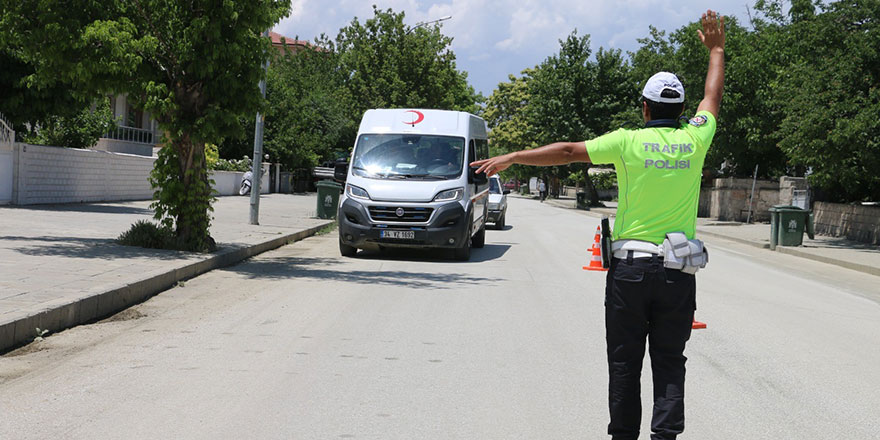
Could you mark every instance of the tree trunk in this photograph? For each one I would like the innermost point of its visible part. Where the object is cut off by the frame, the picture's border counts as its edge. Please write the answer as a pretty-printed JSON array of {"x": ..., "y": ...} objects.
[
  {"x": 591, "y": 190},
  {"x": 193, "y": 214}
]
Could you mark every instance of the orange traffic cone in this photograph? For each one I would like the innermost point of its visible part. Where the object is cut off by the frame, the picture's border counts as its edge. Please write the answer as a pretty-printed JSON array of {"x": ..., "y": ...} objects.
[
  {"x": 698, "y": 324},
  {"x": 596, "y": 253}
]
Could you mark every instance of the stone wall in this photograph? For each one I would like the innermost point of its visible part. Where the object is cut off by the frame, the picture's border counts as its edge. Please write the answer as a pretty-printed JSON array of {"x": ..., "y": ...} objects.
[
  {"x": 787, "y": 187},
  {"x": 729, "y": 199},
  {"x": 855, "y": 222}
]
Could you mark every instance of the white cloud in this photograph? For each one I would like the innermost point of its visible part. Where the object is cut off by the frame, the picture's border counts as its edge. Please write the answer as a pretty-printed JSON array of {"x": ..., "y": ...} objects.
[{"x": 494, "y": 38}]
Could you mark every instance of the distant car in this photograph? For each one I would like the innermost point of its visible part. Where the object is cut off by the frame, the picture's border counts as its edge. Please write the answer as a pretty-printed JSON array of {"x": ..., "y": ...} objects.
[
  {"x": 509, "y": 185},
  {"x": 497, "y": 202}
]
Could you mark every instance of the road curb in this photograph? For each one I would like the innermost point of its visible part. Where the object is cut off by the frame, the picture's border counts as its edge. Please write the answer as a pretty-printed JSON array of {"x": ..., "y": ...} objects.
[
  {"x": 64, "y": 314},
  {"x": 870, "y": 270}
]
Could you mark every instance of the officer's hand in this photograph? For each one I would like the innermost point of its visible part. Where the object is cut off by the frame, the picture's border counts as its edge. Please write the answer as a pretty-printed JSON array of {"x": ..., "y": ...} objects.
[
  {"x": 712, "y": 34},
  {"x": 493, "y": 165}
]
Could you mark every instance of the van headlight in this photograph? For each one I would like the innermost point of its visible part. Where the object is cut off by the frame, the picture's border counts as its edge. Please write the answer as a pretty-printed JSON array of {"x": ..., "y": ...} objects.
[
  {"x": 449, "y": 195},
  {"x": 356, "y": 192}
]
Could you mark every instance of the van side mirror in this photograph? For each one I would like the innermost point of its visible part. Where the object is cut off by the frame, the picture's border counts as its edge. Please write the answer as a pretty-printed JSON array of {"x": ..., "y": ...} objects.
[
  {"x": 340, "y": 171},
  {"x": 506, "y": 191},
  {"x": 479, "y": 179}
]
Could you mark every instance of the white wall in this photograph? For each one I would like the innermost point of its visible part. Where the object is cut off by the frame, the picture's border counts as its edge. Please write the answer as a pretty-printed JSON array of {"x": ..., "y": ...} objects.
[
  {"x": 227, "y": 183},
  {"x": 6, "y": 161},
  {"x": 35, "y": 174},
  {"x": 69, "y": 175}
]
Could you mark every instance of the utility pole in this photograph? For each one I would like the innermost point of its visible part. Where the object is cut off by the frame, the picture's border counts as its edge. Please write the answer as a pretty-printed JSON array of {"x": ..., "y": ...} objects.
[{"x": 257, "y": 170}]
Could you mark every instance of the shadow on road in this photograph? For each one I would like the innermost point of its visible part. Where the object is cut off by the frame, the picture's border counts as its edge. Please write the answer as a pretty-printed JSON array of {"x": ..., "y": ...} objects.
[
  {"x": 331, "y": 269},
  {"x": 505, "y": 228},
  {"x": 487, "y": 253},
  {"x": 92, "y": 248}
]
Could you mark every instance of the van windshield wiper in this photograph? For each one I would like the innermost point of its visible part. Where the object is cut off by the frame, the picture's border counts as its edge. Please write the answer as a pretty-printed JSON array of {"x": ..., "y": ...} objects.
[{"x": 420, "y": 176}]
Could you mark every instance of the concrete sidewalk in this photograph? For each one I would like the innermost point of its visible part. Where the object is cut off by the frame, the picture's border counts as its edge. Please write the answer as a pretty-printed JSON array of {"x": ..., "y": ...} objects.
[
  {"x": 831, "y": 250},
  {"x": 60, "y": 265}
]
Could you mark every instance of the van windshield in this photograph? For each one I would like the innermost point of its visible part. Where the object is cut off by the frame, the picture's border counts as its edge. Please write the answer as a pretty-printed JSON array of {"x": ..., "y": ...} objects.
[{"x": 407, "y": 156}]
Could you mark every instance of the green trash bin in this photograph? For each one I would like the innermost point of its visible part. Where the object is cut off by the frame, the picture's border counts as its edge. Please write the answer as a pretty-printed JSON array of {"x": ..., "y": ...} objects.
[
  {"x": 788, "y": 224},
  {"x": 328, "y": 198},
  {"x": 524, "y": 189}
]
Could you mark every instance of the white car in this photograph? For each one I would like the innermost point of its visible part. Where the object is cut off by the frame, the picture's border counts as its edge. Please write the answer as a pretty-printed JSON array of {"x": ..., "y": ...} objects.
[{"x": 497, "y": 202}]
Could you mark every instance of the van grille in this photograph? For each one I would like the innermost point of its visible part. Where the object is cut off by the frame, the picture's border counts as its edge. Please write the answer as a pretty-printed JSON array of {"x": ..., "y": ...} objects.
[{"x": 410, "y": 214}]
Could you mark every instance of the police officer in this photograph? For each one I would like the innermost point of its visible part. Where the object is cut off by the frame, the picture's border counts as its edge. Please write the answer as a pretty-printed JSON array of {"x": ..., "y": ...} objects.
[{"x": 658, "y": 173}]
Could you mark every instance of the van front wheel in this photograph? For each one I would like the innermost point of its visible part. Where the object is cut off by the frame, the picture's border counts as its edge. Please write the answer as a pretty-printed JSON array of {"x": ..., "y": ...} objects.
[
  {"x": 346, "y": 250},
  {"x": 480, "y": 238},
  {"x": 463, "y": 253}
]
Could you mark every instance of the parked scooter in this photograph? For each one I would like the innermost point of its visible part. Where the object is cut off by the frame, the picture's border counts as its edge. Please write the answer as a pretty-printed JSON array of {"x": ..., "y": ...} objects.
[{"x": 246, "y": 183}]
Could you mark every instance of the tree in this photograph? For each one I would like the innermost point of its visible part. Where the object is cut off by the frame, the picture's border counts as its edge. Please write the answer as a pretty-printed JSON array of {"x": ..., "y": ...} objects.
[
  {"x": 194, "y": 65},
  {"x": 507, "y": 122},
  {"x": 49, "y": 65},
  {"x": 830, "y": 98},
  {"x": 389, "y": 65},
  {"x": 567, "y": 97},
  {"x": 746, "y": 129},
  {"x": 307, "y": 114},
  {"x": 81, "y": 130}
]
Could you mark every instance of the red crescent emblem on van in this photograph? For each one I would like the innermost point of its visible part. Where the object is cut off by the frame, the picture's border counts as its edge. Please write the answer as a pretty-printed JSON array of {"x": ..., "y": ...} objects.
[{"x": 417, "y": 117}]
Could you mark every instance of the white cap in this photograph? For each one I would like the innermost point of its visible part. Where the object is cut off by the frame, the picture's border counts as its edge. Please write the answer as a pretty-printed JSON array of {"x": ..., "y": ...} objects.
[{"x": 660, "y": 82}]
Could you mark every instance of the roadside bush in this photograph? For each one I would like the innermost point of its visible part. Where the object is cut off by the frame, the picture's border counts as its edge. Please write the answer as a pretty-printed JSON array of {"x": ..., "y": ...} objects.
[
  {"x": 148, "y": 235},
  {"x": 212, "y": 155},
  {"x": 81, "y": 130},
  {"x": 243, "y": 164},
  {"x": 605, "y": 180}
]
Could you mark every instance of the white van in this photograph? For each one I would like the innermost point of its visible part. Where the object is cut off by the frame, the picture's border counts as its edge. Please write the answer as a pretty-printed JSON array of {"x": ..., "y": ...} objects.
[{"x": 408, "y": 183}]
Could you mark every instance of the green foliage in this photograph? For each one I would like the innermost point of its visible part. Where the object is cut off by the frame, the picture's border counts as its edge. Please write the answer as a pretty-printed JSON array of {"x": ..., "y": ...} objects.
[
  {"x": 307, "y": 117},
  {"x": 195, "y": 67},
  {"x": 389, "y": 65},
  {"x": 81, "y": 130},
  {"x": 568, "y": 97},
  {"x": 242, "y": 165},
  {"x": 212, "y": 155},
  {"x": 31, "y": 106},
  {"x": 40, "y": 333},
  {"x": 183, "y": 202},
  {"x": 509, "y": 125},
  {"x": 316, "y": 96},
  {"x": 148, "y": 235},
  {"x": 605, "y": 180},
  {"x": 829, "y": 99}
]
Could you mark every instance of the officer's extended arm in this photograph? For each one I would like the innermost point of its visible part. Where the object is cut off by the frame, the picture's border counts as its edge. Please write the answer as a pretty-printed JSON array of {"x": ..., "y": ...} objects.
[
  {"x": 560, "y": 153},
  {"x": 712, "y": 37}
]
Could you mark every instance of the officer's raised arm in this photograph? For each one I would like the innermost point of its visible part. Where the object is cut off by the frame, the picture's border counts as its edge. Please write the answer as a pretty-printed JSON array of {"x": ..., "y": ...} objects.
[
  {"x": 712, "y": 37},
  {"x": 559, "y": 153}
]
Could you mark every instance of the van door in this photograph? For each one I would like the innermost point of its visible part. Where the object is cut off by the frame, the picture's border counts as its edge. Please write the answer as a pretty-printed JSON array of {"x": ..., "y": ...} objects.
[{"x": 479, "y": 150}]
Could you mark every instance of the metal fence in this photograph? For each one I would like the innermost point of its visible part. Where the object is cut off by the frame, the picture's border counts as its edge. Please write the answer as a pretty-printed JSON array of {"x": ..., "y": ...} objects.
[
  {"x": 7, "y": 134},
  {"x": 131, "y": 134}
]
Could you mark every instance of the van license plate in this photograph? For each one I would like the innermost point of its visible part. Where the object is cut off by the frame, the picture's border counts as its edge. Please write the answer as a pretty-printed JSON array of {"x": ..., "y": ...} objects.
[{"x": 403, "y": 235}]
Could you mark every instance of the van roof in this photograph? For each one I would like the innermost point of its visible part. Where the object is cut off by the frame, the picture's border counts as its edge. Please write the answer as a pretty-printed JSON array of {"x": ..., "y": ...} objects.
[{"x": 425, "y": 121}]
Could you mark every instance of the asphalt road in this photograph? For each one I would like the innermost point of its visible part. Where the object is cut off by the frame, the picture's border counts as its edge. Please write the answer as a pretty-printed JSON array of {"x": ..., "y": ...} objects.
[{"x": 300, "y": 343}]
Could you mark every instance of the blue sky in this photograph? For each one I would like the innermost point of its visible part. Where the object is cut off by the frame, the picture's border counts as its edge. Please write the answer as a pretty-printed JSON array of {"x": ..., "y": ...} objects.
[{"x": 494, "y": 38}]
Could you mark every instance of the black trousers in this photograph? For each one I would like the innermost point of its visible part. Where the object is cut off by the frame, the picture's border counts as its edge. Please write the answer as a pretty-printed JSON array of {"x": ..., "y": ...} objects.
[{"x": 645, "y": 300}]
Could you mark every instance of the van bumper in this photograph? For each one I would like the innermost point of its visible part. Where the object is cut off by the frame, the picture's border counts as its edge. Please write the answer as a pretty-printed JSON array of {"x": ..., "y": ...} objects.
[{"x": 447, "y": 229}]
